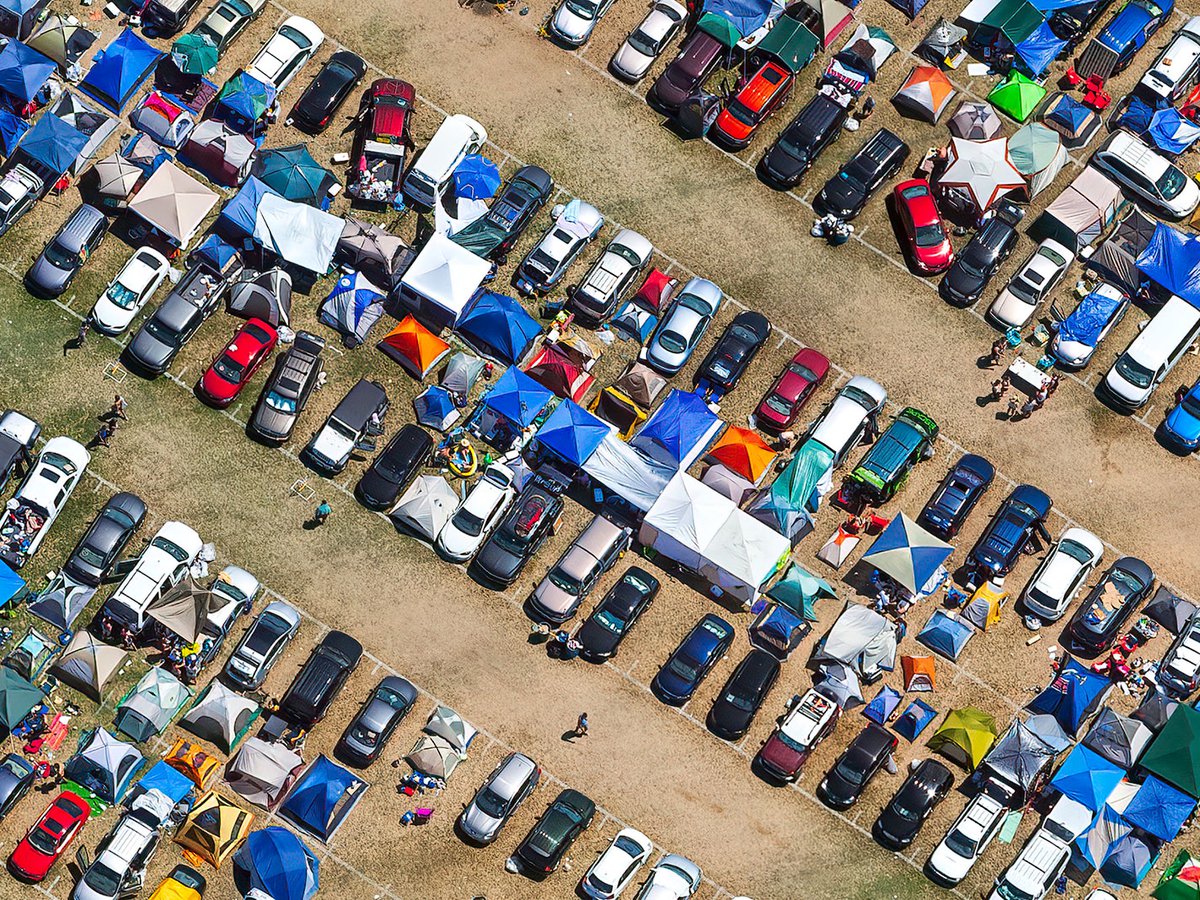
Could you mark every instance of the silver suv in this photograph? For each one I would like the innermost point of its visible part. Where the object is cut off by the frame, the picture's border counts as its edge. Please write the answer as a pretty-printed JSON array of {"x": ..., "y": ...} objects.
[
  {"x": 498, "y": 798},
  {"x": 572, "y": 578},
  {"x": 121, "y": 859}
]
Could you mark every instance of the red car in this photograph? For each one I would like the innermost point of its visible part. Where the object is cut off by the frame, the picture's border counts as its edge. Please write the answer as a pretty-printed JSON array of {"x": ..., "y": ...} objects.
[
  {"x": 928, "y": 242},
  {"x": 797, "y": 382},
  {"x": 764, "y": 93},
  {"x": 49, "y": 837},
  {"x": 808, "y": 721},
  {"x": 237, "y": 363}
]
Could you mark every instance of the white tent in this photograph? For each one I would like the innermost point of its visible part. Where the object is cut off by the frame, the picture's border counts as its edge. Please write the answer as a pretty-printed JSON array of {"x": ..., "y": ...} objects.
[
  {"x": 633, "y": 476},
  {"x": 980, "y": 171},
  {"x": 743, "y": 555},
  {"x": 174, "y": 203},
  {"x": 426, "y": 506},
  {"x": 262, "y": 772},
  {"x": 861, "y": 638},
  {"x": 442, "y": 281},
  {"x": 301, "y": 234}
]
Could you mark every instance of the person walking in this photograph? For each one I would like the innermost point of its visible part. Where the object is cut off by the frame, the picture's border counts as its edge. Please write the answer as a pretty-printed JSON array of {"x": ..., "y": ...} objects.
[
  {"x": 997, "y": 353},
  {"x": 581, "y": 725},
  {"x": 117, "y": 410},
  {"x": 84, "y": 327},
  {"x": 321, "y": 515},
  {"x": 1014, "y": 404},
  {"x": 1028, "y": 409},
  {"x": 998, "y": 389}
]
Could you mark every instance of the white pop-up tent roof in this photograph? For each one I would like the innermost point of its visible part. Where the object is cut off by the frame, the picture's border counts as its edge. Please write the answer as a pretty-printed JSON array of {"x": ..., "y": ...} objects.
[
  {"x": 174, "y": 202},
  {"x": 442, "y": 281},
  {"x": 744, "y": 554},
  {"x": 298, "y": 233}
]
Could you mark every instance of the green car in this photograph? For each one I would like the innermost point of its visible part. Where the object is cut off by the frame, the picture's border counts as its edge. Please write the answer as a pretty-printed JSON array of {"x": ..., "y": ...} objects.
[{"x": 884, "y": 470}]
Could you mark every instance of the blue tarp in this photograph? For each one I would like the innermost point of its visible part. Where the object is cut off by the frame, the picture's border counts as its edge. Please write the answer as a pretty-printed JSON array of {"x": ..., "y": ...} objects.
[
  {"x": 123, "y": 66},
  {"x": 498, "y": 326},
  {"x": 1036, "y": 52},
  {"x": 1159, "y": 809},
  {"x": 1073, "y": 695},
  {"x": 239, "y": 214},
  {"x": 11, "y": 584},
  {"x": 678, "y": 427},
  {"x": 883, "y": 705},
  {"x": 53, "y": 144},
  {"x": 744, "y": 16},
  {"x": 12, "y": 128},
  {"x": 476, "y": 178},
  {"x": 1172, "y": 259},
  {"x": 1069, "y": 113},
  {"x": 1171, "y": 131},
  {"x": 278, "y": 864},
  {"x": 911, "y": 722},
  {"x": 169, "y": 781},
  {"x": 1129, "y": 861},
  {"x": 1136, "y": 116},
  {"x": 572, "y": 433},
  {"x": 517, "y": 397},
  {"x": 215, "y": 253},
  {"x": 945, "y": 635},
  {"x": 23, "y": 71},
  {"x": 1089, "y": 318},
  {"x": 1086, "y": 777},
  {"x": 323, "y": 797}
]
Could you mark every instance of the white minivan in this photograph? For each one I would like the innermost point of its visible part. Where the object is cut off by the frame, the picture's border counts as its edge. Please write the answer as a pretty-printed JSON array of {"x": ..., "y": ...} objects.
[
  {"x": 429, "y": 175},
  {"x": 1152, "y": 355},
  {"x": 1174, "y": 71}
]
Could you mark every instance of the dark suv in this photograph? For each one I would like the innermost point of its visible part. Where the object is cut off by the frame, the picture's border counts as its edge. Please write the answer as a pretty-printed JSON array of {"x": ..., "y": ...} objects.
[
  {"x": 847, "y": 192},
  {"x": 697, "y": 59},
  {"x": 391, "y": 470},
  {"x": 494, "y": 235},
  {"x": 523, "y": 530},
  {"x": 175, "y": 321},
  {"x": 858, "y": 764},
  {"x": 1022, "y": 514},
  {"x": 58, "y": 264},
  {"x": 549, "y": 840},
  {"x": 744, "y": 692},
  {"x": 287, "y": 389},
  {"x": 314, "y": 688},
  {"x": 974, "y": 267},
  {"x": 815, "y": 127}
]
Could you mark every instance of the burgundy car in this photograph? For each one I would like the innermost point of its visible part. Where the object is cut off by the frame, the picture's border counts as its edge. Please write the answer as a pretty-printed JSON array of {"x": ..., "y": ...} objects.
[
  {"x": 697, "y": 59},
  {"x": 809, "y": 720},
  {"x": 797, "y": 382}
]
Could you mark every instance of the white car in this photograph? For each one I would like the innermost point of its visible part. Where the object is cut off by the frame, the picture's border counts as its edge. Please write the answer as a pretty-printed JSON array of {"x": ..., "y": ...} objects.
[
  {"x": 646, "y": 42},
  {"x": 617, "y": 865},
  {"x": 674, "y": 878},
  {"x": 1033, "y": 873},
  {"x": 1179, "y": 672},
  {"x": 576, "y": 225},
  {"x": 574, "y": 20},
  {"x": 1032, "y": 284},
  {"x": 233, "y": 595},
  {"x": 1062, "y": 573},
  {"x": 1149, "y": 175},
  {"x": 163, "y": 564},
  {"x": 129, "y": 290},
  {"x": 478, "y": 514},
  {"x": 954, "y": 857},
  {"x": 1076, "y": 337},
  {"x": 1173, "y": 72},
  {"x": 40, "y": 498},
  {"x": 691, "y": 313},
  {"x": 121, "y": 859},
  {"x": 611, "y": 276},
  {"x": 841, "y": 425},
  {"x": 289, "y": 48}
]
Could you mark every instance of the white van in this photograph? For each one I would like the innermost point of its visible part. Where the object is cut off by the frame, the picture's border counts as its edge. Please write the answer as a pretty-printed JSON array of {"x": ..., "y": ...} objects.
[
  {"x": 457, "y": 136},
  {"x": 1173, "y": 72},
  {"x": 841, "y": 426},
  {"x": 1152, "y": 355}
]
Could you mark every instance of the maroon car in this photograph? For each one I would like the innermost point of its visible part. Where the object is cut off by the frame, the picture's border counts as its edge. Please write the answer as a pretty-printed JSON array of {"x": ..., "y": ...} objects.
[
  {"x": 697, "y": 59},
  {"x": 810, "y": 719},
  {"x": 797, "y": 382}
]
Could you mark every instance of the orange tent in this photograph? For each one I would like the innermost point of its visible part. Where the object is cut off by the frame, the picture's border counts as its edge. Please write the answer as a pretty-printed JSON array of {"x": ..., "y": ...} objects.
[
  {"x": 919, "y": 673},
  {"x": 744, "y": 452},
  {"x": 414, "y": 346},
  {"x": 193, "y": 761},
  {"x": 926, "y": 93}
]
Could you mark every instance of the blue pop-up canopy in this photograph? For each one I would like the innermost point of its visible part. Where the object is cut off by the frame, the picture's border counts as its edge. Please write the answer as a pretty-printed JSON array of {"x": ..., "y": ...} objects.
[
  {"x": 907, "y": 553},
  {"x": 517, "y": 397},
  {"x": 243, "y": 101},
  {"x": 572, "y": 433},
  {"x": 12, "y": 129},
  {"x": 118, "y": 73},
  {"x": 53, "y": 144},
  {"x": 1086, "y": 777},
  {"x": 1072, "y": 696},
  {"x": 277, "y": 864},
  {"x": 323, "y": 797},
  {"x": 679, "y": 431},
  {"x": 1089, "y": 318},
  {"x": 11, "y": 584},
  {"x": 499, "y": 327},
  {"x": 215, "y": 253},
  {"x": 1172, "y": 259},
  {"x": 1159, "y": 809},
  {"x": 23, "y": 71},
  {"x": 1172, "y": 131},
  {"x": 1038, "y": 50}
]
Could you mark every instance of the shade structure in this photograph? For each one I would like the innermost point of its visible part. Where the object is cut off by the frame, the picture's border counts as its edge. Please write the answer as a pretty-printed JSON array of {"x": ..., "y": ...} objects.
[
  {"x": 62, "y": 41},
  {"x": 87, "y": 664},
  {"x": 628, "y": 474},
  {"x": 516, "y": 398},
  {"x": 151, "y": 705},
  {"x": 121, "y": 69},
  {"x": 1159, "y": 809},
  {"x": 1119, "y": 739},
  {"x": 1008, "y": 22},
  {"x": 183, "y": 609},
  {"x": 243, "y": 102},
  {"x": 731, "y": 20},
  {"x": 1025, "y": 751},
  {"x": 861, "y": 638},
  {"x": 476, "y": 178},
  {"x": 214, "y": 829},
  {"x": 104, "y": 765},
  {"x": 322, "y": 798},
  {"x": 679, "y": 431},
  {"x": 685, "y": 520},
  {"x": 220, "y": 716},
  {"x": 263, "y": 295},
  {"x": 1116, "y": 261},
  {"x": 965, "y": 736},
  {"x": 925, "y": 93},
  {"x": 1174, "y": 757},
  {"x": 1172, "y": 259},
  {"x": 373, "y": 251},
  {"x": 799, "y": 591},
  {"x": 425, "y": 506},
  {"x": 294, "y": 174},
  {"x": 1073, "y": 696},
  {"x": 572, "y": 433},
  {"x": 915, "y": 718},
  {"x": 1171, "y": 131},
  {"x": 1180, "y": 880},
  {"x": 790, "y": 42},
  {"x": 277, "y": 865},
  {"x": 1101, "y": 836},
  {"x": 1086, "y": 777},
  {"x": 299, "y": 234},
  {"x": 981, "y": 171},
  {"x": 435, "y": 408},
  {"x": 53, "y": 144},
  {"x": 353, "y": 307},
  {"x": 11, "y": 585},
  {"x": 415, "y": 347},
  {"x": 945, "y": 634},
  {"x": 840, "y": 683},
  {"x": 442, "y": 282},
  {"x": 23, "y": 71},
  {"x": 1129, "y": 861},
  {"x": 17, "y": 698},
  {"x": 1038, "y": 50},
  {"x": 499, "y": 327},
  {"x": 86, "y": 118},
  {"x": 174, "y": 203},
  {"x": 116, "y": 177},
  {"x": 743, "y": 451},
  {"x": 882, "y": 705},
  {"x": 194, "y": 54},
  {"x": 12, "y": 129},
  {"x": 1017, "y": 96},
  {"x": 262, "y": 772},
  {"x": 1037, "y": 152},
  {"x": 974, "y": 121},
  {"x": 920, "y": 674},
  {"x": 907, "y": 553}
]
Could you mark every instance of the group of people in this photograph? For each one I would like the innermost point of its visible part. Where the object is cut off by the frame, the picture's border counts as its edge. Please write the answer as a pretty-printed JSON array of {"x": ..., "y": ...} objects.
[
  {"x": 1017, "y": 409},
  {"x": 110, "y": 421}
]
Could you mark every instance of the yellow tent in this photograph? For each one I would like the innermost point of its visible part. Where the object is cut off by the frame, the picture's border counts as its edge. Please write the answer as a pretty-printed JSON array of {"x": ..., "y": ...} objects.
[
  {"x": 184, "y": 883},
  {"x": 966, "y": 736},
  {"x": 214, "y": 829},
  {"x": 193, "y": 761},
  {"x": 983, "y": 609}
]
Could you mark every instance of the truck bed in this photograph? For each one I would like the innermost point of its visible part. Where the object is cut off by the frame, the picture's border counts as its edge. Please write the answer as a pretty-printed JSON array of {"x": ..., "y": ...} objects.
[{"x": 18, "y": 528}]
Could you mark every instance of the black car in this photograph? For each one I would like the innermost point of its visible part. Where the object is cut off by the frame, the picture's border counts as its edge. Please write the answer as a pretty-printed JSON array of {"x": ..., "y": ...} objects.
[
  {"x": 858, "y": 764},
  {"x": 101, "y": 545},
  {"x": 901, "y": 820},
  {"x": 815, "y": 127},
  {"x": 318, "y": 683},
  {"x": 744, "y": 692},
  {"x": 1073, "y": 23},
  {"x": 327, "y": 91},
  {"x": 548, "y": 841},
  {"x": 1022, "y": 515},
  {"x": 847, "y": 192},
  {"x": 733, "y": 352},
  {"x": 1109, "y": 605},
  {"x": 974, "y": 267},
  {"x": 523, "y": 530},
  {"x": 392, "y": 469},
  {"x": 519, "y": 201},
  {"x": 602, "y": 632},
  {"x": 959, "y": 493},
  {"x": 16, "y": 778},
  {"x": 372, "y": 726},
  {"x": 689, "y": 663}
]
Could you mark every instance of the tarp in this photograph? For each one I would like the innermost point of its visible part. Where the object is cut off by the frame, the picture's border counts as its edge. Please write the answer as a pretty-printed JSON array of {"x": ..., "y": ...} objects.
[
  {"x": 499, "y": 327},
  {"x": 415, "y": 347},
  {"x": 799, "y": 590},
  {"x": 1171, "y": 131},
  {"x": 981, "y": 171},
  {"x": 17, "y": 698},
  {"x": 241, "y": 212},
  {"x": 1175, "y": 754},
  {"x": 798, "y": 484},
  {"x": 1159, "y": 809},
  {"x": 679, "y": 431},
  {"x": 104, "y": 765},
  {"x": 442, "y": 281},
  {"x": 1025, "y": 750},
  {"x": 243, "y": 102},
  {"x": 166, "y": 780},
  {"x": 1089, "y": 318},
  {"x": 220, "y": 716},
  {"x": 1037, "y": 152},
  {"x": 53, "y": 144},
  {"x": 907, "y": 553},
  {"x": 1073, "y": 696},
  {"x": 118, "y": 73},
  {"x": 945, "y": 634},
  {"x": 634, "y": 477},
  {"x": 322, "y": 798},
  {"x": 294, "y": 174},
  {"x": 1078, "y": 215},
  {"x": 11, "y": 584},
  {"x": 277, "y": 865},
  {"x": 23, "y": 71},
  {"x": 572, "y": 433},
  {"x": 920, "y": 674},
  {"x": 302, "y": 235},
  {"x": 965, "y": 736},
  {"x": 974, "y": 121},
  {"x": 744, "y": 452},
  {"x": 183, "y": 609},
  {"x": 916, "y": 716},
  {"x": 791, "y": 43},
  {"x": 353, "y": 307},
  {"x": 214, "y": 829},
  {"x": 87, "y": 664},
  {"x": 174, "y": 203},
  {"x": 882, "y": 705},
  {"x": 731, "y": 20},
  {"x": 926, "y": 93},
  {"x": 261, "y": 772},
  {"x": 1038, "y": 50},
  {"x": 861, "y": 638},
  {"x": 1086, "y": 777},
  {"x": 149, "y": 708},
  {"x": 62, "y": 41},
  {"x": 1016, "y": 96},
  {"x": 1172, "y": 260},
  {"x": 425, "y": 506}
]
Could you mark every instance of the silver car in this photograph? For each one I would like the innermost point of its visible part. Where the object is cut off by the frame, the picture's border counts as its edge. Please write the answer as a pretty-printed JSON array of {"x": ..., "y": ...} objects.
[
  {"x": 262, "y": 645},
  {"x": 683, "y": 326},
  {"x": 674, "y": 878},
  {"x": 498, "y": 798},
  {"x": 369, "y": 731},
  {"x": 225, "y": 21}
]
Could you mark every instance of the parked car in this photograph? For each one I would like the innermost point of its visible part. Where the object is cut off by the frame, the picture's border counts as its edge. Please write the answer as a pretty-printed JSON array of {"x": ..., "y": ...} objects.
[
  {"x": 858, "y": 764},
  {"x": 235, "y": 365},
  {"x": 287, "y": 389},
  {"x": 330, "y": 448},
  {"x": 1147, "y": 174},
  {"x": 928, "y": 244},
  {"x": 1061, "y": 574},
  {"x": 183, "y": 883},
  {"x": 261, "y": 646},
  {"x": 743, "y": 695},
  {"x": 1181, "y": 427},
  {"x": 610, "y": 278},
  {"x": 570, "y": 580},
  {"x": 974, "y": 267},
  {"x": 958, "y": 851},
  {"x": 65, "y": 253},
  {"x": 121, "y": 858},
  {"x": 519, "y": 201},
  {"x": 326, "y": 93},
  {"x": 673, "y": 877},
  {"x": 163, "y": 18},
  {"x": 477, "y": 514},
  {"x": 1032, "y": 283},
  {"x": 1179, "y": 672},
  {"x": 644, "y": 44},
  {"x": 548, "y": 841},
  {"x": 1134, "y": 23},
  {"x": 226, "y": 20},
  {"x": 20, "y": 189},
  {"x": 498, "y": 798},
  {"x": 808, "y": 721},
  {"x": 1035, "y": 870},
  {"x": 293, "y": 44},
  {"x": 389, "y": 472},
  {"x": 164, "y": 563},
  {"x": 690, "y": 662},
  {"x": 616, "y": 866},
  {"x": 373, "y": 725},
  {"x": 1151, "y": 356},
  {"x": 49, "y": 837},
  {"x": 755, "y": 101},
  {"x": 697, "y": 59},
  {"x": 172, "y": 324},
  {"x": 575, "y": 226},
  {"x": 847, "y": 192},
  {"x": 1078, "y": 335},
  {"x": 129, "y": 290},
  {"x": 841, "y": 424},
  {"x": 817, "y": 125},
  {"x": 433, "y": 170},
  {"x": 16, "y": 778},
  {"x": 531, "y": 519},
  {"x": 45, "y": 490},
  {"x": 382, "y": 142},
  {"x": 601, "y": 633},
  {"x": 796, "y": 384},
  {"x": 730, "y": 357},
  {"x": 1022, "y": 514},
  {"x": 232, "y": 594},
  {"x": 1110, "y": 604},
  {"x": 574, "y": 20},
  {"x": 1074, "y": 23},
  {"x": 885, "y": 468},
  {"x": 900, "y": 821},
  {"x": 321, "y": 679},
  {"x": 1174, "y": 72},
  {"x": 958, "y": 494},
  {"x": 682, "y": 326},
  {"x": 18, "y": 436},
  {"x": 98, "y": 550}
]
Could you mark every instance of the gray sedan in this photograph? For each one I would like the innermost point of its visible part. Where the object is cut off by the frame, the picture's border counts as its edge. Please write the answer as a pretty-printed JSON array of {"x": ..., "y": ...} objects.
[
  {"x": 683, "y": 326},
  {"x": 261, "y": 646},
  {"x": 369, "y": 731},
  {"x": 498, "y": 798},
  {"x": 98, "y": 549}
]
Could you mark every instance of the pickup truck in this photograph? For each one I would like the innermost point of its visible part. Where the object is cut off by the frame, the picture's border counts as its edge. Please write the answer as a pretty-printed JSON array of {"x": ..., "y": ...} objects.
[
  {"x": 18, "y": 434},
  {"x": 347, "y": 427},
  {"x": 20, "y": 188},
  {"x": 40, "y": 498},
  {"x": 884, "y": 470},
  {"x": 383, "y": 141},
  {"x": 163, "y": 564}
]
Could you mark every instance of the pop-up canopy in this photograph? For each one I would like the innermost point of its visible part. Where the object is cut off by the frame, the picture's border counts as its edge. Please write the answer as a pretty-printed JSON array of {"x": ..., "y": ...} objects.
[
  {"x": 174, "y": 203},
  {"x": 118, "y": 73}
]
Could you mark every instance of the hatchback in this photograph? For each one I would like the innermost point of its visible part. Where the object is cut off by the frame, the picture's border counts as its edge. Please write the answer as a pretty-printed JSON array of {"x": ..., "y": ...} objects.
[
  {"x": 575, "y": 20},
  {"x": 129, "y": 290},
  {"x": 1061, "y": 574},
  {"x": 372, "y": 726},
  {"x": 744, "y": 692},
  {"x": 101, "y": 545},
  {"x": 1109, "y": 605},
  {"x": 293, "y": 44},
  {"x": 16, "y": 778},
  {"x": 922, "y": 228},
  {"x": 1078, "y": 335},
  {"x": 753, "y": 104},
  {"x": 235, "y": 365},
  {"x": 689, "y": 663},
  {"x": 549, "y": 840},
  {"x": 328, "y": 91},
  {"x": 58, "y": 264},
  {"x": 1181, "y": 427},
  {"x": 498, "y": 798},
  {"x": 616, "y": 866},
  {"x": 477, "y": 515}
]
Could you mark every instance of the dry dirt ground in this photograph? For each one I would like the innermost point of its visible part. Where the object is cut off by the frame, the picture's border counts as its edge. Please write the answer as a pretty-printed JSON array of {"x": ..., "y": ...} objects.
[{"x": 646, "y": 765}]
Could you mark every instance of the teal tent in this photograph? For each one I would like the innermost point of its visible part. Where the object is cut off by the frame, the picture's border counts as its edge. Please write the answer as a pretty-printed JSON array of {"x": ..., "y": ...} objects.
[{"x": 799, "y": 591}]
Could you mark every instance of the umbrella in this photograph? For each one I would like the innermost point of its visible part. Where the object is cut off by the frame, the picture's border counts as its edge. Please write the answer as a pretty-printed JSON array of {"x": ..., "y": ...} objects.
[
  {"x": 974, "y": 121},
  {"x": 17, "y": 698},
  {"x": 476, "y": 178},
  {"x": 116, "y": 176},
  {"x": 293, "y": 174},
  {"x": 908, "y": 553},
  {"x": 981, "y": 169},
  {"x": 194, "y": 54}
]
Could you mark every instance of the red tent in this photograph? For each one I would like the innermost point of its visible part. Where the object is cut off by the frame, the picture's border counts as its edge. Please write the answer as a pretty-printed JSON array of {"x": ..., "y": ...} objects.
[{"x": 553, "y": 370}]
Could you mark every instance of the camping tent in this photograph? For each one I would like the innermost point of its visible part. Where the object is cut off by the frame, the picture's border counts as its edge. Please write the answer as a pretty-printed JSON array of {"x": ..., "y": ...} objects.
[
  {"x": 442, "y": 281},
  {"x": 1172, "y": 259},
  {"x": 1070, "y": 118},
  {"x": 86, "y": 118},
  {"x": 322, "y": 798},
  {"x": 445, "y": 723},
  {"x": 728, "y": 482},
  {"x": 572, "y": 433},
  {"x": 919, "y": 673},
  {"x": 87, "y": 664},
  {"x": 945, "y": 634},
  {"x": 262, "y": 295},
  {"x": 415, "y": 347},
  {"x": 262, "y": 772},
  {"x": 882, "y": 705},
  {"x": 214, "y": 829},
  {"x": 425, "y": 506},
  {"x": 555, "y": 366},
  {"x": 634, "y": 477},
  {"x": 1175, "y": 754},
  {"x": 974, "y": 121},
  {"x": 54, "y": 145},
  {"x": 167, "y": 121},
  {"x": 778, "y": 630},
  {"x": 435, "y": 407},
  {"x": 625, "y": 403},
  {"x": 858, "y": 63},
  {"x": 1159, "y": 809},
  {"x": 1129, "y": 860},
  {"x": 17, "y": 698},
  {"x": 1155, "y": 710},
  {"x": 965, "y": 736},
  {"x": 183, "y": 609},
  {"x": 62, "y": 40},
  {"x": 799, "y": 590},
  {"x": 861, "y": 638},
  {"x": 1117, "y": 738},
  {"x": 1116, "y": 259},
  {"x": 434, "y": 756},
  {"x": 979, "y": 173},
  {"x": 1086, "y": 777},
  {"x": 122, "y": 67},
  {"x": 514, "y": 402},
  {"x": 173, "y": 203},
  {"x": 1180, "y": 880},
  {"x": 1025, "y": 751},
  {"x": 12, "y": 129},
  {"x": 151, "y": 705},
  {"x": 276, "y": 865},
  {"x": 140, "y": 150},
  {"x": 353, "y": 307},
  {"x": 293, "y": 174},
  {"x": 1016, "y": 96},
  {"x": 220, "y": 716},
  {"x": 104, "y": 765},
  {"x": 984, "y": 607},
  {"x": 840, "y": 683},
  {"x": 744, "y": 452},
  {"x": 1098, "y": 839},
  {"x": 243, "y": 103},
  {"x": 239, "y": 215},
  {"x": 498, "y": 327},
  {"x": 23, "y": 72},
  {"x": 1082, "y": 211},
  {"x": 17, "y": 17},
  {"x": 831, "y": 17},
  {"x": 1169, "y": 611},
  {"x": 679, "y": 431},
  {"x": 219, "y": 152},
  {"x": 916, "y": 716},
  {"x": 61, "y": 601},
  {"x": 925, "y": 93},
  {"x": 731, "y": 20},
  {"x": 377, "y": 253},
  {"x": 1073, "y": 696},
  {"x": 116, "y": 178},
  {"x": 944, "y": 42},
  {"x": 300, "y": 234},
  {"x": 193, "y": 762},
  {"x": 1037, "y": 152},
  {"x": 908, "y": 553}
]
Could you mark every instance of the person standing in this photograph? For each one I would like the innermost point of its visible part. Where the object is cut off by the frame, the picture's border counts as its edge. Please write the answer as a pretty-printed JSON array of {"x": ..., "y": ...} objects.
[
  {"x": 117, "y": 410},
  {"x": 1014, "y": 405},
  {"x": 321, "y": 515}
]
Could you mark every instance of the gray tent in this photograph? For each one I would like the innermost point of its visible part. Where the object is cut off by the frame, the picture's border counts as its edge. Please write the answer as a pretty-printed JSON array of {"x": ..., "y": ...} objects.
[
  {"x": 61, "y": 601},
  {"x": 149, "y": 708},
  {"x": 1155, "y": 709},
  {"x": 87, "y": 119},
  {"x": 1118, "y": 738},
  {"x": 434, "y": 756},
  {"x": 462, "y": 372},
  {"x": 861, "y": 638},
  {"x": 1025, "y": 751},
  {"x": 426, "y": 506},
  {"x": 87, "y": 664},
  {"x": 116, "y": 179},
  {"x": 183, "y": 609},
  {"x": 641, "y": 384},
  {"x": 839, "y": 682},
  {"x": 263, "y": 295},
  {"x": 377, "y": 253},
  {"x": 446, "y": 723},
  {"x": 262, "y": 772},
  {"x": 63, "y": 42},
  {"x": 1169, "y": 611},
  {"x": 944, "y": 40},
  {"x": 1116, "y": 259},
  {"x": 104, "y": 765},
  {"x": 220, "y": 716}
]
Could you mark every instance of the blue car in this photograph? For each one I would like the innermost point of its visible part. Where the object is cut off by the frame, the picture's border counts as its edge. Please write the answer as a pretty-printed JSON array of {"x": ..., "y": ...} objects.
[
  {"x": 1133, "y": 25},
  {"x": 1022, "y": 514},
  {"x": 692, "y": 660},
  {"x": 1181, "y": 427},
  {"x": 957, "y": 495}
]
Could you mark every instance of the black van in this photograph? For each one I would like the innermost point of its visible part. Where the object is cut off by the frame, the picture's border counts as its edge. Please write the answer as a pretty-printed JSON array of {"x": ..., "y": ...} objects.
[
  {"x": 315, "y": 686},
  {"x": 847, "y": 192},
  {"x": 815, "y": 127},
  {"x": 167, "y": 17}
]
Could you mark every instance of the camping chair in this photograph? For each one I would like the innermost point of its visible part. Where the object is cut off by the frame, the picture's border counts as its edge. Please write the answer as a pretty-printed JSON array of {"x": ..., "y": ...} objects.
[{"x": 1094, "y": 94}]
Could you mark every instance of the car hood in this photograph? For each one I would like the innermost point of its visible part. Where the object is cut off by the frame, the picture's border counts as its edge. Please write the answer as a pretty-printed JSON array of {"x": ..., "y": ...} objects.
[
  {"x": 494, "y": 560},
  {"x": 780, "y": 755},
  {"x": 596, "y": 639},
  {"x": 1008, "y": 309},
  {"x": 948, "y": 863},
  {"x": 478, "y": 824},
  {"x": 106, "y": 314},
  {"x": 553, "y": 598},
  {"x": 148, "y": 349},
  {"x": 571, "y": 25},
  {"x": 455, "y": 543},
  {"x": 332, "y": 446},
  {"x": 672, "y": 685},
  {"x": 837, "y": 788},
  {"x": 1182, "y": 424},
  {"x": 48, "y": 276},
  {"x": 629, "y": 60},
  {"x": 784, "y": 164},
  {"x": 840, "y": 195}
]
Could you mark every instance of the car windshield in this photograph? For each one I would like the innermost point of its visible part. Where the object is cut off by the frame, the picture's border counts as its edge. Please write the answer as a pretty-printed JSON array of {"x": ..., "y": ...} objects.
[
  {"x": 930, "y": 235},
  {"x": 294, "y": 36},
  {"x": 103, "y": 880},
  {"x": 1134, "y": 372},
  {"x": 903, "y": 808},
  {"x": 642, "y": 43},
  {"x": 1007, "y": 891},
  {"x": 228, "y": 369},
  {"x": 672, "y": 341},
  {"x": 394, "y": 699},
  {"x": 968, "y": 265},
  {"x": 1170, "y": 183},
  {"x": 779, "y": 404},
  {"x": 174, "y": 551},
  {"x": 790, "y": 743},
  {"x": 585, "y": 9},
  {"x": 59, "y": 256},
  {"x": 492, "y": 804},
  {"x": 120, "y": 295},
  {"x": 91, "y": 557},
  {"x": 959, "y": 843},
  {"x": 41, "y": 841},
  {"x": 542, "y": 260},
  {"x": 563, "y": 581},
  {"x": 157, "y": 330},
  {"x": 741, "y": 112},
  {"x": 1191, "y": 405},
  {"x": 610, "y": 620},
  {"x": 1077, "y": 552},
  {"x": 468, "y": 523},
  {"x": 684, "y": 668},
  {"x": 848, "y": 773},
  {"x": 265, "y": 634},
  {"x": 738, "y": 702},
  {"x": 629, "y": 845},
  {"x": 280, "y": 403}
]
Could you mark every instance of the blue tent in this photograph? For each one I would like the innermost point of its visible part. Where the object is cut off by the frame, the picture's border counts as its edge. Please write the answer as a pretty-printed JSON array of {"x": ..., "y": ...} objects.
[
  {"x": 1073, "y": 696},
  {"x": 239, "y": 214},
  {"x": 908, "y": 553},
  {"x": 572, "y": 433},
  {"x": 1129, "y": 861},
  {"x": 741, "y": 17},
  {"x": 910, "y": 723},
  {"x": 1136, "y": 116},
  {"x": 517, "y": 398},
  {"x": 679, "y": 430},
  {"x": 945, "y": 635},
  {"x": 1172, "y": 259},
  {"x": 1171, "y": 131},
  {"x": 11, "y": 584},
  {"x": 909, "y": 7},
  {"x": 778, "y": 630},
  {"x": 19, "y": 18},
  {"x": 277, "y": 864},
  {"x": 499, "y": 327},
  {"x": 1036, "y": 52},
  {"x": 883, "y": 705},
  {"x": 162, "y": 777},
  {"x": 1086, "y": 777},
  {"x": 243, "y": 101},
  {"x": 1070, "y": 114},
  {"x": 123, "y": 66},
  {"x": 435, "y": 407},
  {"x": 12, "y": 129},
  {"x": 1101, "y": 837},
  {"x": 353, "y": 307},
  {"x": 139, "y": 148},
  {"x": 1159, "y": 809},
  {"x": 215, "y": 253},
  {"x": 322, "y": 798},
  {"x": 1088, "y": 319},
  {"x": 476, "y": 178},
  {"x": 23, "y": 71},
  {"x": 53, "y": 144}
]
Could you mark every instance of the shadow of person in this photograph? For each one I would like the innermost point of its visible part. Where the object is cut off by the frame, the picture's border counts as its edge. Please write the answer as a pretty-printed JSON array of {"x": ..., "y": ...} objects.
[{"x": 569, "y": 736}]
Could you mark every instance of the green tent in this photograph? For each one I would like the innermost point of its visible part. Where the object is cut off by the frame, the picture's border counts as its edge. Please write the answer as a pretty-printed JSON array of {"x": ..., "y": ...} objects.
[
  {"x": 17, "y": 698},
  {"x": 791, "y": 43},
  {"x": 719, "y": 27},
  {"x": 1014, "y": 20},
  {"x": 1180, "y": 880},
  {"x": 796, "y": 483},
  {"x": 1016, "y": 96},
  {"x": 1175, "y": 754},
  {"x": 966, "y": 736},
  {"x": 194, "y": 54},
  {"x": 800, "y": 590}
]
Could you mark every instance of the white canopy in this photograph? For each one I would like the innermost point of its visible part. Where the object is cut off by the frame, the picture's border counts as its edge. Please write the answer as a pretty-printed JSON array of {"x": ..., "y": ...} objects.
[
  {"x": 633, "y": 476},
  {"x": 744, "y": 554},
  {"x": 981, "y": 170},
  {"x": 174, "y": 202},
  {"x": 301, "y": 234},
  {"x": 442, "y": 281}
]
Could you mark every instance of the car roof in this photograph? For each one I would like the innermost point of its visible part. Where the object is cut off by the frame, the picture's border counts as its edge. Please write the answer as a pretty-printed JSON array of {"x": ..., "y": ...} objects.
[{"x": 763, "y": 85}]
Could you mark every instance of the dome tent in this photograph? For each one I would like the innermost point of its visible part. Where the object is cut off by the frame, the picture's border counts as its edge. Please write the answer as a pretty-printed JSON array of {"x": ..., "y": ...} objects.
[
  {"x": 219, "y": 152},
  {"x": 322, "y": 799},
  {"x": 263, "y": 295},
  {"x": 425, "y": 507},
  {"x": 193, "y": 762},
  {"x": 167, "y": 122},
  {"x": 974, "y": 121},
  {"x": 276, "y": 865},
  {"x": 498, "y": 327},
  {"x": 104, "y": 765},
  {"x": 87, "y": 664},
  {"x": 151, "y": 704},
  {"x": 220, "y": 716},
  {"x": 1037, "y": 152},
  {"x": 1016, "y": 96},
  {"x": 262, "y": 772},
  {"x": 214, "y": 829},
  {"x": 965, "y": 736},
  {"x": 414, "y": 347},
  {"x": 353, "y": 307},
  {"x": 925, "y": 93}
]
